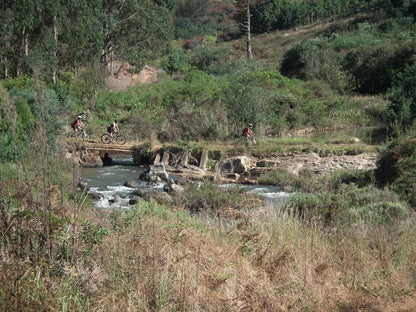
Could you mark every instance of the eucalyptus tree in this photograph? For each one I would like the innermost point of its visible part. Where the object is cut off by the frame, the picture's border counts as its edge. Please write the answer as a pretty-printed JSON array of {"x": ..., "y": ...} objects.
[
  {"x": 169, "y": 4},
  {"x": 17, "y": 22},
  {"x": 134, "y": 31},
  {"x": 46, "y": 36},
  {"x": 192, "y": 18}
]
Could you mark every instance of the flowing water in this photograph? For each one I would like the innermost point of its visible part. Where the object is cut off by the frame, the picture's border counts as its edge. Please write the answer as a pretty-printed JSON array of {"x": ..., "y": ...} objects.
[{"x": 108, "y": 183}]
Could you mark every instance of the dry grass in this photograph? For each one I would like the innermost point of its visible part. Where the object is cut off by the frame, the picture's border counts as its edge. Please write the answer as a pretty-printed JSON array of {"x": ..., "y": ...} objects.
[
  {"x": 258, "y": 259},
  {"x": 165, "y": 261}
]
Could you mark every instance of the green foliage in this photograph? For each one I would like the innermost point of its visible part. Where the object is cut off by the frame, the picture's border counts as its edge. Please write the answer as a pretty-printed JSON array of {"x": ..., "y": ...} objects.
[
  {"x": 277, "y": 14},
  {"x": 20, "y": 82},
  {"x": 192, "y": 102},
  {"x": 402, "y": 110},
  {"x": 196, "y": 10},
  {"x": 313, "y": 59},
  {"x": 186, "y": 29},
  {"x": 305, "y": 181},
  {"x": 87, "y": 83},
  {"x": 364, "y": 35},
  {"x": 136, "y": 31},
  {"x": 350, "y": 205},
  {"x": 80, "y": 38},
  {"x": 175, "y": 61},
  {"x": 123, "y": 220},
  {"x": 396, "y": 168},
  {"x": 208, "y": 198},
  {"x": 361, "y": 178},
  {"x": 26, "y": 116},
  {"x": 93, "y": 234},
  {"x": 170, "y": 4},
  {"x": 203, "y": 56}
]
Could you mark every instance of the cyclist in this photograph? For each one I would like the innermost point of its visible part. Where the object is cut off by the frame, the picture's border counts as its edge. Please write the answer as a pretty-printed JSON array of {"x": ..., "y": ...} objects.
[
  {"x": 249, "y": 134},
  {"x": 77, "y": 125},
  {"x": 113, "y": 128}
]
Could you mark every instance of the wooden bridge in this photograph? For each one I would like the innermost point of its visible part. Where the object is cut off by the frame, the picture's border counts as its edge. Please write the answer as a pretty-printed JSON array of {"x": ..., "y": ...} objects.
[{"x": 111, "y": 149}]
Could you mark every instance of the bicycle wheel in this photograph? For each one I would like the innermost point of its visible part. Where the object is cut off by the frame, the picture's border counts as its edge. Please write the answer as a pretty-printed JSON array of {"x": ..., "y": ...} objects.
[
  {"x": 120, "y": 139},
  {"x": 71, "y": 134},
  {"x": 240, "y": 141},
  {"x": 105, "y": 138}
]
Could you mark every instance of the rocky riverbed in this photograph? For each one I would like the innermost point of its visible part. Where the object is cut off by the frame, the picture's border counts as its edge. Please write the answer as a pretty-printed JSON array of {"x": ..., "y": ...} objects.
[
  {"x": 188, "y": 165},
  {"x": 247, "y": 169}
]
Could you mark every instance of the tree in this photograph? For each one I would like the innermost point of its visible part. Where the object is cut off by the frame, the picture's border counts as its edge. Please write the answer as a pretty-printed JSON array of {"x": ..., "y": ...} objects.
[
  {"x": 18, "y": 18},
  {"x": 134, "y": 31},
  {"x": 402, "y": 110},
  {"x": 196, "y": 10},
  {"x": 244, "y": 8}
]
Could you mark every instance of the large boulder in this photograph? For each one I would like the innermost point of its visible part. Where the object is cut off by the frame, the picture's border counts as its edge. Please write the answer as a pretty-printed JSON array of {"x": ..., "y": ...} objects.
[
  {"x": 190, "y": 173},
  {"x": 238, "y": 164},
  {"x": 155, "y": 174}
]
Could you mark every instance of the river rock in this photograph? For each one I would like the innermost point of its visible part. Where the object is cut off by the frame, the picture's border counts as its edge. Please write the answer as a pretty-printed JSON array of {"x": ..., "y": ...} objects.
[
  {"x": 190, "y": 173},
  {"x": 155, "y": 174},
  {"x": 171, "y": 187},
  {"x": 135, "y": 199},
  {"x": 91, "y": 159},
  {"x": 159, "y": 197},
  {"x": 83, "y": 187},
  {"x": 96, "y": 196},
  {"x": 239, "y": 164},
  {"x": 132, "y": 184}
]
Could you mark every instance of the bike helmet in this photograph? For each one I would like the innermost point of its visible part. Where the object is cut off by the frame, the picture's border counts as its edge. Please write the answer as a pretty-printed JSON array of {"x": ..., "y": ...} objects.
[
  {"x": 250, "y": 125},
  {"x": 116, "y": 120},
  {"x": 79, "y": 117}
]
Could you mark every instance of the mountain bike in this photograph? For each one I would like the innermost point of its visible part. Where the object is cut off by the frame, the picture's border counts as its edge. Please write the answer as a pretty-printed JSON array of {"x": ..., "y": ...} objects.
[
  {"x": 241, "y": 140},
  {"x": 117, "y": 137},
  {"x": 80, "y": 134}
]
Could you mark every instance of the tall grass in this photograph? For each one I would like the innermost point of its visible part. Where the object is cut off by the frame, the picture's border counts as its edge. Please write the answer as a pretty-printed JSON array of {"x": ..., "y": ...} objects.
[{"x": 234, "y": 253}]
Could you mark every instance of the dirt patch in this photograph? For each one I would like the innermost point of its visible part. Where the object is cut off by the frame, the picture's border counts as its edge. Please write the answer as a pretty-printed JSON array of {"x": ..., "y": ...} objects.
[{"x": 123, "y": 76}]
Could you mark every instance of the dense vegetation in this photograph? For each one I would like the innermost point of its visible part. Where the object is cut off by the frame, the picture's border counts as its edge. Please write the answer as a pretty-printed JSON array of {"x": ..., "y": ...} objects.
[{"x": 341, "y": 241}]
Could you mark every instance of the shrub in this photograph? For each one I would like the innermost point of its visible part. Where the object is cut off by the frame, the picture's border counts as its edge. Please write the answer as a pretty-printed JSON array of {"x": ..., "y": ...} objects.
[
  {"x": 203, "y": 56},
  {"x": 209, "y": 198},
  {"x": 313, "y": 59},
  {"x": 351, "y": 204},
  {"x": 402, "y": 110},
  {"x": 175, "y": 61},
  {"x": 397, "y": 167}
]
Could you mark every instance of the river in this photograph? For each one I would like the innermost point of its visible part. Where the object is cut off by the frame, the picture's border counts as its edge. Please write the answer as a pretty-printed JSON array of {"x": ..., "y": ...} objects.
[{"x": 108, "y": 182}]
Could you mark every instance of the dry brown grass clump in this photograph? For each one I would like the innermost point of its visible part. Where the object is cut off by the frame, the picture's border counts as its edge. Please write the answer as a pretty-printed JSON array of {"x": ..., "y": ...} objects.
[{"x": 163, "y": 260}]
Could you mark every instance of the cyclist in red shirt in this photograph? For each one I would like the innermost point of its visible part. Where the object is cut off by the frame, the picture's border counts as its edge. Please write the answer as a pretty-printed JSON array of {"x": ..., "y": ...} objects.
[
  {"x": 77, "y": 125},
  {"x": 249, "y": 134}
]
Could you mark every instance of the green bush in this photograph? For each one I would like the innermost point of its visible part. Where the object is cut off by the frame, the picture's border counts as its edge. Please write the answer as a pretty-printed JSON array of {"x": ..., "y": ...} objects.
[
  {"x": 402, "y": 110},
  {"x": 175, "y": 61},
  {"x": 186, "y": 28},
  {"x": 210, "y": 198},
  {"x": 397, "y": 168},
  {"x": 313, "y": 59},
  {"x": 203, "y": 56},
  {"x": 351, "y": 204}
]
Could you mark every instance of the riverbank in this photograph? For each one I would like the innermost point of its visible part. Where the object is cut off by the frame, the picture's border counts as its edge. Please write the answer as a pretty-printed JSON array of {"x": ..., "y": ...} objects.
[{"x": 228, "y": 163}]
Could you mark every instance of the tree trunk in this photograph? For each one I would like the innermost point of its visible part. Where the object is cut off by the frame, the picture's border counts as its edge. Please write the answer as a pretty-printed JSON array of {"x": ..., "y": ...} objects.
[
  {"x": 5, "y": 67},
  {"x": 249, "y": 53},
  {"x": 55, "y": 40}
]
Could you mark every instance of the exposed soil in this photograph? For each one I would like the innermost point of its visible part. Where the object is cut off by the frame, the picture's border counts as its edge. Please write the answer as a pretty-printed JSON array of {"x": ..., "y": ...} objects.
[{"x": 123, "y": 76}]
